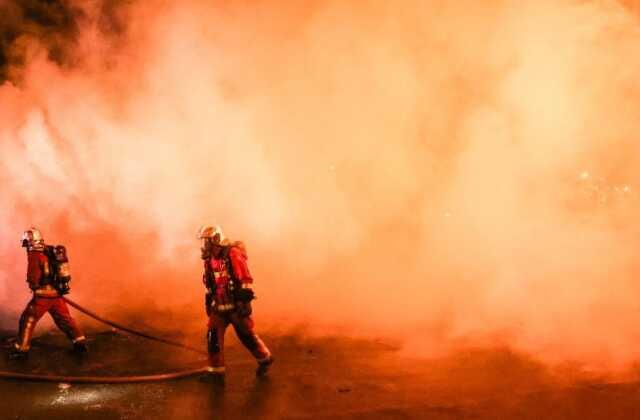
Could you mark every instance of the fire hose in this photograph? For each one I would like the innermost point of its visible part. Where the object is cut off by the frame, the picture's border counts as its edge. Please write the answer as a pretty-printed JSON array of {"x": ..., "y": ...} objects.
[
  {"x": 129, "y": 330},
  {"x": 113, "y": 379},
  {"x": 102, "y": 379}
]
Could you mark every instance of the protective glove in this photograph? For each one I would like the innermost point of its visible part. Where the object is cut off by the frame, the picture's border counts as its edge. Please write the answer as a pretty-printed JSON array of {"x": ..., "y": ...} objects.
[{"x": 244, "y": 295}]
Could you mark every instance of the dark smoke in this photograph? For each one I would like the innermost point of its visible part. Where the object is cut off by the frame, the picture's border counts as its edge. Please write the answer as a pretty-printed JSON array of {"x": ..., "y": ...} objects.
[{"x": 52, "y": 26}]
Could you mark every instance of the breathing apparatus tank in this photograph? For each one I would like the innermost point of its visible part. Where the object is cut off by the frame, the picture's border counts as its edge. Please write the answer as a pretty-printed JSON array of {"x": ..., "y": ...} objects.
[{"x": 59, "y": 263}]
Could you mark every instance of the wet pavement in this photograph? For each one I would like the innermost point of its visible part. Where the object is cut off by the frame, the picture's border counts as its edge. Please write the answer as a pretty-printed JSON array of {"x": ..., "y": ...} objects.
[{"x": 336, "y": 378}]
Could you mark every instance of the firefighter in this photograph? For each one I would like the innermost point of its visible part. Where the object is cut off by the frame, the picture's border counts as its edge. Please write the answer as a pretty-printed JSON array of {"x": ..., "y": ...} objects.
[
  {"x": 228, "y": 298},
  {"x": 48, "y": 278}
]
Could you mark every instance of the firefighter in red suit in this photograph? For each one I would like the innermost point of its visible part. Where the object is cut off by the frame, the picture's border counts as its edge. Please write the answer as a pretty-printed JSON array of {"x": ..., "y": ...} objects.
[
  {"x": 228, "y": 299},
  {"x": 48, "y": 283}
]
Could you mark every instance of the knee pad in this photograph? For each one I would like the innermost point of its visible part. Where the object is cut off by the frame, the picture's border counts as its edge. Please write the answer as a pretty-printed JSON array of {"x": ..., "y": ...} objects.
[{"x": 212, "y": 341}]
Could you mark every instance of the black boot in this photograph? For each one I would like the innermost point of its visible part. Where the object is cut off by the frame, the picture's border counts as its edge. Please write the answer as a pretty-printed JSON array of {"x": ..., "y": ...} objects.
[
  {"x": 80, "y": 347},
  {"x": 16, "y": 353},
  {"x": 215, "y": 375},
  {"x": 264, "y": 365}
]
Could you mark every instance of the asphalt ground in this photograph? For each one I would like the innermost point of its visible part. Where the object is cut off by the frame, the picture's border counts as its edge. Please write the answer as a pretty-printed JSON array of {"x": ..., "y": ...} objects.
[{"x": 324, "y": 378}]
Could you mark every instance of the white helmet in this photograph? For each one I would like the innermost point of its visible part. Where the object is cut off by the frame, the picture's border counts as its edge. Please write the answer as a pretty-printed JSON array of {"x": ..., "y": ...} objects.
[
  {"x": 32, "y": 239},
  {"x": 211, "y": 233}
]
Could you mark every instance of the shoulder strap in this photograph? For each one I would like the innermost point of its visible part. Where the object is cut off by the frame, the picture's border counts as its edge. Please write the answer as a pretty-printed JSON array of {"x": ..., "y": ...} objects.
[
  {"x": 227, "y": 261},
  {"x": 52, "y": 262}
]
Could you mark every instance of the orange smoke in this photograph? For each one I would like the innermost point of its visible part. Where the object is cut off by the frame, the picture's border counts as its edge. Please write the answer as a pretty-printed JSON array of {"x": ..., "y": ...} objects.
[{"x": 445, "y": 174}]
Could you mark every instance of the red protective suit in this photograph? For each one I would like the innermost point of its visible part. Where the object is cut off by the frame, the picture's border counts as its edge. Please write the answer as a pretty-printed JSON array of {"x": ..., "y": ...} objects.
[
  {"x": 228, "y": 280},
  {"x": 45, "y": 299}
]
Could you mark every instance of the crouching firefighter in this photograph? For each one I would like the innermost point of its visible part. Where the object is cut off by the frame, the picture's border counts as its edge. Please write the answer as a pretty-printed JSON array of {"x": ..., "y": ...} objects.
[
  {"x": 228, "y": 298},
  {"x": 48, "y": 278}
]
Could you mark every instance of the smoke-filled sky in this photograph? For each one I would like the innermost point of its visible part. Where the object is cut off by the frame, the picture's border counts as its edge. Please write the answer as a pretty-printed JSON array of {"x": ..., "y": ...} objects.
[{"x": 442, "y": 173}]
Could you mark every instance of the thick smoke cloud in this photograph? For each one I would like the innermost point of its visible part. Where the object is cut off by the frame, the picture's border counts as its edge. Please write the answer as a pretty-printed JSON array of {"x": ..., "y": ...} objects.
[
  {"x": 52, "y": 24},
  {"x": 445, "y": 174}
]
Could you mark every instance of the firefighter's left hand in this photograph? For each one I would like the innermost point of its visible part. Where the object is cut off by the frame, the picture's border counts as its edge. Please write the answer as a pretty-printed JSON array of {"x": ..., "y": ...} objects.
[{"x": 244, "y": 308}]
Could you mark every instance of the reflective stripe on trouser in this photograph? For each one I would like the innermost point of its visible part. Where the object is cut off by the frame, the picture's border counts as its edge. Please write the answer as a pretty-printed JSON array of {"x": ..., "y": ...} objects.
[
  {"x": 58, "y": 310},
  {"x": 243, "y": 325}
]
